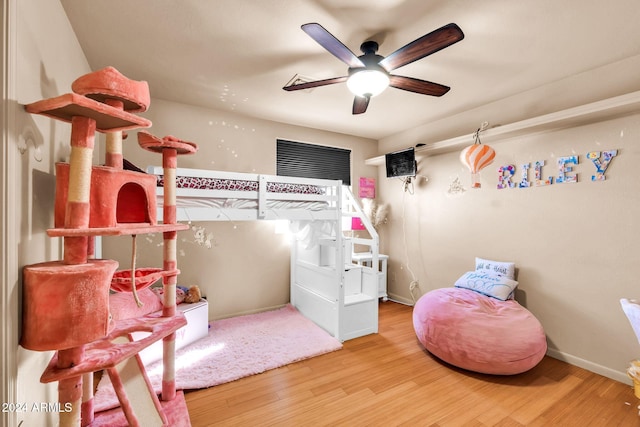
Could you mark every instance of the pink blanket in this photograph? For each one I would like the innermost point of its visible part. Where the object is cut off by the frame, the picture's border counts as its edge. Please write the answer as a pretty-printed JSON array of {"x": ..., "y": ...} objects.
[{"x": 123, "y": 306}]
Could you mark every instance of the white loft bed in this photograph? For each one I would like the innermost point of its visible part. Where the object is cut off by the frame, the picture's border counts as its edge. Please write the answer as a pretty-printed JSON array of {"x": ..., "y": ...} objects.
[{"x": 326, "y": 287}]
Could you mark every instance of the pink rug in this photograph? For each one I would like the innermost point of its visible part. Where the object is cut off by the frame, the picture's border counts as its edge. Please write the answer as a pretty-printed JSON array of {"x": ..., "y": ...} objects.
[{"x": 237, "y": 347}]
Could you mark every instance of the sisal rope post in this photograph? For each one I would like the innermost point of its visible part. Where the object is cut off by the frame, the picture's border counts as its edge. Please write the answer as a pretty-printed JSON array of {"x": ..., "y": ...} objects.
[
  {"x": 113, "y": 151},
  {"x": 169, "y": 165},
  {"x": 77, "y": 209},
  {"x": 76, "y": 251}
]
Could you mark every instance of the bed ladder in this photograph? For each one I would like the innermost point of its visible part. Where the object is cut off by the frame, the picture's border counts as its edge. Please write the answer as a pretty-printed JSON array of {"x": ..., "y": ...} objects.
[{"x": 352, "y": 209}]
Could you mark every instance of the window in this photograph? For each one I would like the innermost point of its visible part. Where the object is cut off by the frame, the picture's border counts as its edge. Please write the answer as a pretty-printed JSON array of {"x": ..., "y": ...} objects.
[{"x": 313, "y": 161}]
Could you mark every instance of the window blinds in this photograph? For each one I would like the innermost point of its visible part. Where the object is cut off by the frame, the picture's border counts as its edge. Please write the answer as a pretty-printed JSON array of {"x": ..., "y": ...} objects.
[{"x": 312, "y": 161}]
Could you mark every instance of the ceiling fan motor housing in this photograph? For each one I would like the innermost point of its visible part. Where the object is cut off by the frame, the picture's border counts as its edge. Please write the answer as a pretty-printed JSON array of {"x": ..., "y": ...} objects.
[
  {"x": 371, "y": 62},
  {"x": 369, "y": 46}
]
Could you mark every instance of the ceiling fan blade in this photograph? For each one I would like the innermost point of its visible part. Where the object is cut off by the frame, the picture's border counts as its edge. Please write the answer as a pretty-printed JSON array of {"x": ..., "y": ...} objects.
[
  {"x": 316, "y": 83},
  {"x": 418, "y": 86},
  {"x": 360, "y": 104},
  {"x": 332, "y": 44},
  {"x": 423, "y": 46}
]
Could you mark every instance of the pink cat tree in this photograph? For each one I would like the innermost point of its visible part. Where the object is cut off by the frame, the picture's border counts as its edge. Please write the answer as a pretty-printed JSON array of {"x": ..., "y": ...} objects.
[{"x": 65, "y": 303}]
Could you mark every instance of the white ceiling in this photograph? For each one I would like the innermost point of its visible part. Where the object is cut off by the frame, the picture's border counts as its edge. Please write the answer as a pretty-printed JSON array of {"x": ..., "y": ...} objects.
[{"x": 238, "y": 54}]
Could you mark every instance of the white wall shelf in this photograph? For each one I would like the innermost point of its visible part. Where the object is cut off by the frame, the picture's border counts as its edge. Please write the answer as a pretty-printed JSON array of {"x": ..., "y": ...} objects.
[{"x": 589, "y": 113}]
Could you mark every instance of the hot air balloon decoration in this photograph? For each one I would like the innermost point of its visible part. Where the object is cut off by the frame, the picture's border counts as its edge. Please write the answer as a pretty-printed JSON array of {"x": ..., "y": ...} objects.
[{"x": 476, "y": 157}]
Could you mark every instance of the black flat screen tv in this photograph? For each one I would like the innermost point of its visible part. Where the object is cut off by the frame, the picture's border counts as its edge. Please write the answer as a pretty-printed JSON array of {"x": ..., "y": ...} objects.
[{"x": 401, "y": 163}]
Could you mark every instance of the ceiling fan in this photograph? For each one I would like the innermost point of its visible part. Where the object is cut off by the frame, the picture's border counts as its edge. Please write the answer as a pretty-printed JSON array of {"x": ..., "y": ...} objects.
[{"x": 369, "y": 74}]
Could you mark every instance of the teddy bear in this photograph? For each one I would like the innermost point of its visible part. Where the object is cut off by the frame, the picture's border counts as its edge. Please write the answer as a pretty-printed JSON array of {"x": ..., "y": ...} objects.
[{"x": 193, "y": 294}]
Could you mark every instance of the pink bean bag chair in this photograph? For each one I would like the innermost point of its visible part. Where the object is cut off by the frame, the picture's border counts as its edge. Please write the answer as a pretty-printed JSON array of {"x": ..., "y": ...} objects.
[{"x": 479, "y": 333}]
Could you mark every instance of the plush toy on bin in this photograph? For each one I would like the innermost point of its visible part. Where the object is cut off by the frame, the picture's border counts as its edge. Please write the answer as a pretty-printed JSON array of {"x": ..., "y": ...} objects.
[{"x": 193, "y": 294}]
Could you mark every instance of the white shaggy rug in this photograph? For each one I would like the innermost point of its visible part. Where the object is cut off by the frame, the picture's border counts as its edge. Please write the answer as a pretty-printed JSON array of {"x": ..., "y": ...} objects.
[{"x": 234, "y": 348}]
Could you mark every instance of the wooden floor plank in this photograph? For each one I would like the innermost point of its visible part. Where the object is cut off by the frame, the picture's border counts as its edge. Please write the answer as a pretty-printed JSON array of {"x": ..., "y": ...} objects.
[{"x": 388, "y": 379}]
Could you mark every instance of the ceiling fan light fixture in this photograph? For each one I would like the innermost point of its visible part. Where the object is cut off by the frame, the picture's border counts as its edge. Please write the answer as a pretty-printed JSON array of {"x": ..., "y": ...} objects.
[{"x": 368, "y": 83}]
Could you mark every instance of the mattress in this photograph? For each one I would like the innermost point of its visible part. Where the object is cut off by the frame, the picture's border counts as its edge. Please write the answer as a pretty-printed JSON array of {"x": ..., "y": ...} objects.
[
  {"x": 215, "y": 198},
  {"x": 207, "y": 183}
]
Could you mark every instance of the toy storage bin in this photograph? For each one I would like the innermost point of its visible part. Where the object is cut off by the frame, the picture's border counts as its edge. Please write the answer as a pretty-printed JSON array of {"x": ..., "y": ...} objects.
[{"x": 197, "y": 327}]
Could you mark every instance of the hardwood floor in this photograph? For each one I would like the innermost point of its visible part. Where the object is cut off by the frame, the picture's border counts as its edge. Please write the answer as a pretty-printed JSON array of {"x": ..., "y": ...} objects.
[{"x": 388, "y": 379}]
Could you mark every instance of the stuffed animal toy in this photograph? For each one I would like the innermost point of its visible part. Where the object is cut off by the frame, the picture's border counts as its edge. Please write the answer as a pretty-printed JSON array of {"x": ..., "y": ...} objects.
[
  {"x": 193, "y": 294},
  {"x": 181, "y": 292}
]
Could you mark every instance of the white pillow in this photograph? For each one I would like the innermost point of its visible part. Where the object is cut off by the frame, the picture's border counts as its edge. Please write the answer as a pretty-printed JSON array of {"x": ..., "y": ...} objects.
[
  {"x": 507, "y": 269},
  {"x": 491, "y": 285}
]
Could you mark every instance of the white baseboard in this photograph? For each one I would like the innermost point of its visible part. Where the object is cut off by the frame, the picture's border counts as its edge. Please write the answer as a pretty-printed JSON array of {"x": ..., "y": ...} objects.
[
  {"x": 590, "y": 366},
  {"x": 400, "y": 299},
  {"x": 247, "y": 312}
]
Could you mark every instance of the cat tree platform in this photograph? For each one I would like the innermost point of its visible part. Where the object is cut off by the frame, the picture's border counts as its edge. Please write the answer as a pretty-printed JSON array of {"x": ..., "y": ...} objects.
[
  {"x": 108, "y": 118},
  {"x": 120, "y": 230},
  {"x": 104, "y": 353}
]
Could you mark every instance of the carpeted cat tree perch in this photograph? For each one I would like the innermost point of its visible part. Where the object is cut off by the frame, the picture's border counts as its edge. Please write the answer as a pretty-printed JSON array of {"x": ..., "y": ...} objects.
[{"x": 66, "y": 303}]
